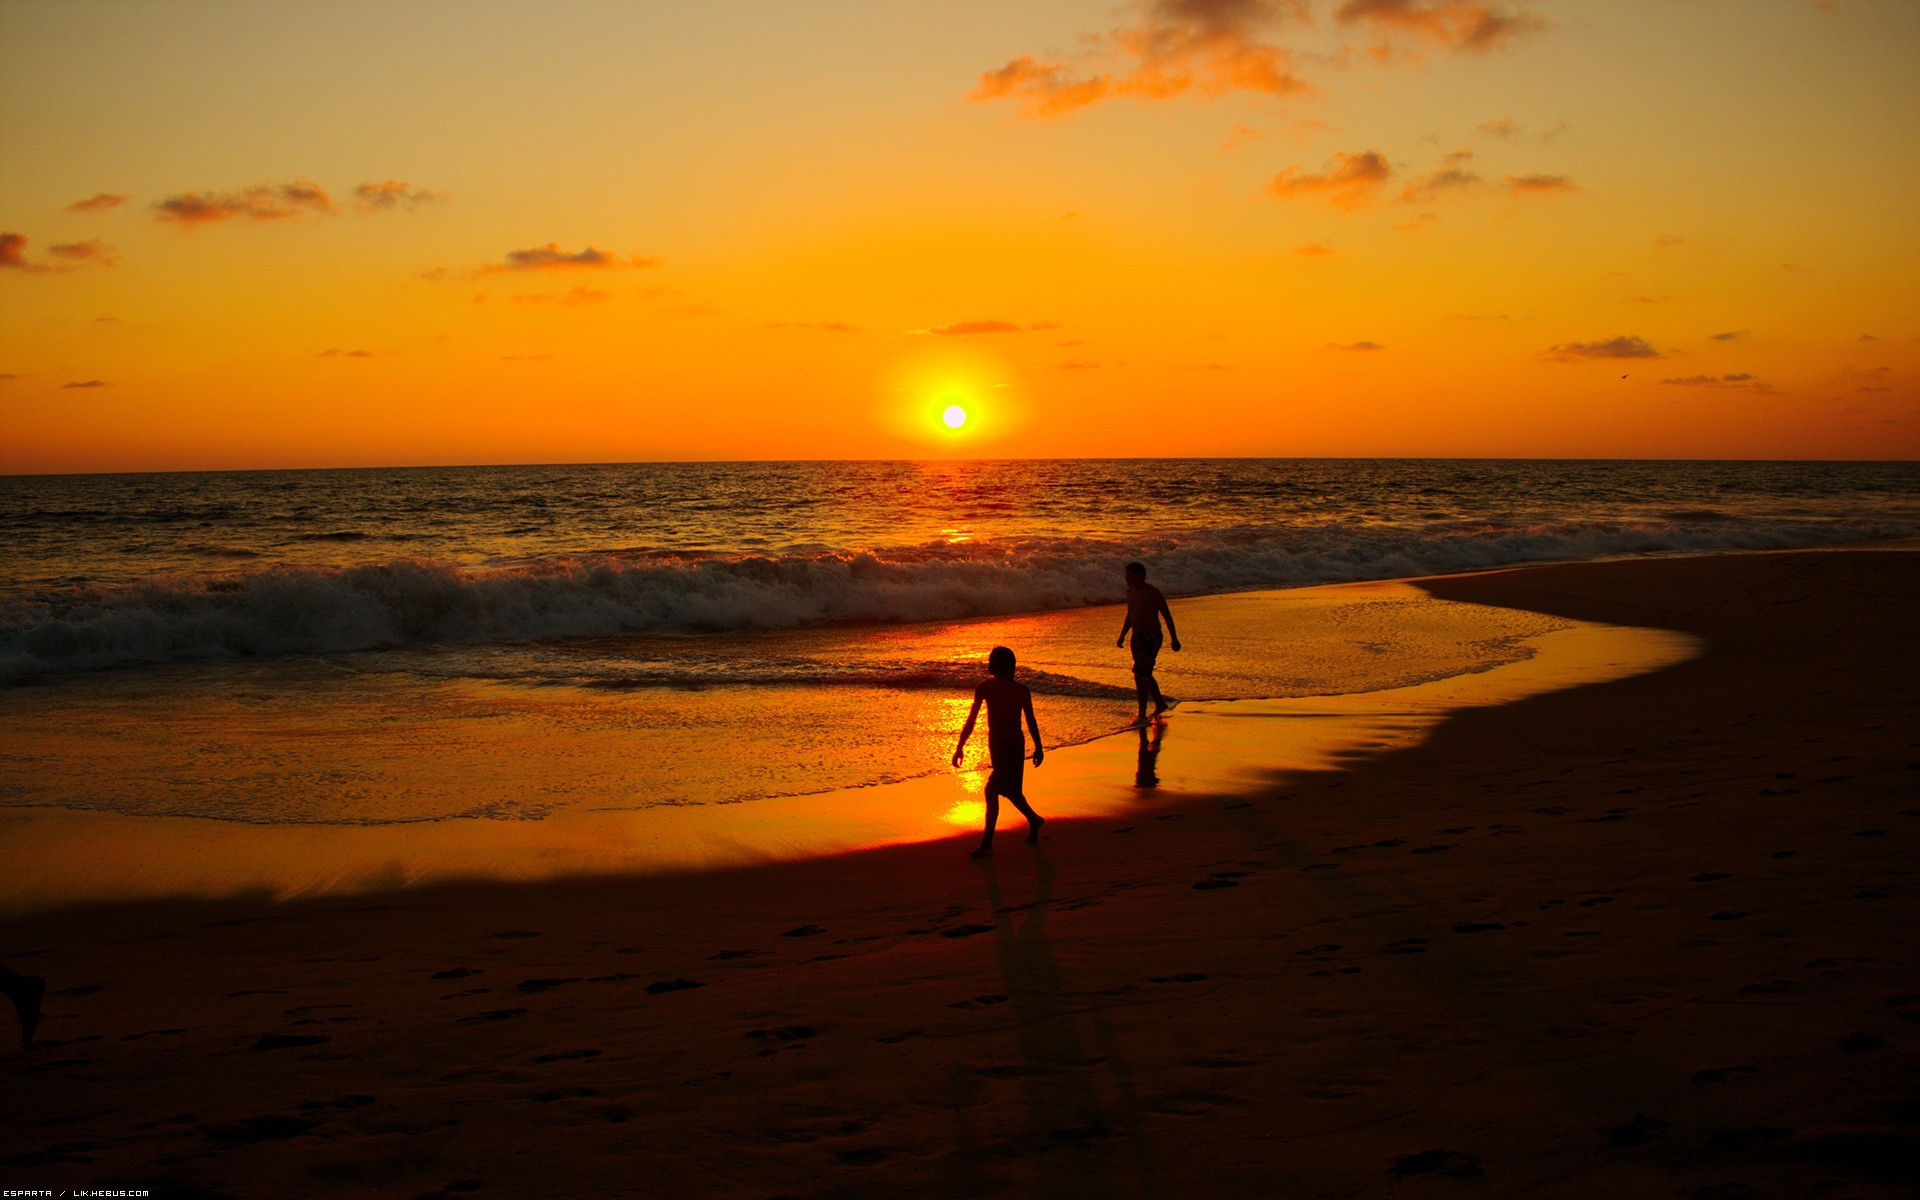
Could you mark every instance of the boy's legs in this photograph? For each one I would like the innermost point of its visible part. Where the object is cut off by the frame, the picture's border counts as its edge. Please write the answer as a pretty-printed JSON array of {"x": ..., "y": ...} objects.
[
  {"x": 993, "y": 818},
  {"x": 1034, "y": 819}
]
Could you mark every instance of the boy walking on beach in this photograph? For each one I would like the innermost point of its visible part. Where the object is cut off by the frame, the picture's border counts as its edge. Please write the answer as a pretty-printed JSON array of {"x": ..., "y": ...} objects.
[
  {"x": 1146, "y": 605},
  {"x": 1006, "y": 702}
]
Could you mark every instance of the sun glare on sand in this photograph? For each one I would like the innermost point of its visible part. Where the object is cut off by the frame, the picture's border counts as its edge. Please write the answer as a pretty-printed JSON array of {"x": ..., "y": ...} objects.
[{"x": 954, "y": 416}]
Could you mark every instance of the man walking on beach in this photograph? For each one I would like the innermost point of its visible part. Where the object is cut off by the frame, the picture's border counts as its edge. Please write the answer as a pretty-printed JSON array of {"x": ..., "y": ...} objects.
[
  {"x": 1007, "y": 700},
  {"x": 1145, "y": 608}
]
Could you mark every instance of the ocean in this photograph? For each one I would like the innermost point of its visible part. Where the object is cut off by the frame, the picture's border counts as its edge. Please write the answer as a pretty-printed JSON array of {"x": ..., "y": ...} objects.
[{"x": 391, "y": 646}]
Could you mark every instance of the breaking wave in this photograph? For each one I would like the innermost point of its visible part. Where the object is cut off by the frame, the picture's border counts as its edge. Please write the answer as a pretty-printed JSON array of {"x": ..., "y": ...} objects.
[{"x": 279, "y": 611}]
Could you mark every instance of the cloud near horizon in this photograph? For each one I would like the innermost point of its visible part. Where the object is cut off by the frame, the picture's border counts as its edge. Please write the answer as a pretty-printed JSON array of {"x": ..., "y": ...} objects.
[
  {"x": 262, "y": 202},
  {"x": 94, "y": 251},
  {"x": 971, "y": 328},
  {"x": 1624, "y": 346},
  {"x": 394, "y": 193},
  {"x": 1539, "y": 185},
  {"x": 1452, "y": 175},
  {"x": 1177, "y": 48},
  {"x": 819, "y": 326},
  {"x": 85, "y": 383},
  {"x": 1740, "y": 381},
  {"x": 1350, "y": 181},
  {"x": 98, "y": 202},
  {"x": 1362, "y": 347},
  {"x": 551, "y": 257}
]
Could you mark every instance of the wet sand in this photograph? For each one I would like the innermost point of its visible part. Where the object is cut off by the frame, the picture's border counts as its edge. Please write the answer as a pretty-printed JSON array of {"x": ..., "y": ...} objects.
[{"x": 1655, "y": 936}]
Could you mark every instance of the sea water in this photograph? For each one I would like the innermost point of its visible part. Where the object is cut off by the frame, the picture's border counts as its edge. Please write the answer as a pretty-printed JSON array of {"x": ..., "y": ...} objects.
[{"x": 363, "y": 647}]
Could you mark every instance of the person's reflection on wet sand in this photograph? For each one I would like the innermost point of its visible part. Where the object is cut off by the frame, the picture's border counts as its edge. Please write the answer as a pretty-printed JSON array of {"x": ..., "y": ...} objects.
[
  {"x": 26, "y": 992},
  {"x": 1150, "y": 739}
]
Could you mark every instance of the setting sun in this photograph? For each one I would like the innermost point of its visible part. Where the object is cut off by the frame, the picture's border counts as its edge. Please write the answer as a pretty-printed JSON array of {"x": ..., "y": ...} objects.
[{"x": 954, "y": 416}]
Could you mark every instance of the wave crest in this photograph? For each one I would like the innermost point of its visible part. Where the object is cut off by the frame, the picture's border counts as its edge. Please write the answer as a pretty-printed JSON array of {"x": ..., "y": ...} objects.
[{"x": 289, "y": 611}]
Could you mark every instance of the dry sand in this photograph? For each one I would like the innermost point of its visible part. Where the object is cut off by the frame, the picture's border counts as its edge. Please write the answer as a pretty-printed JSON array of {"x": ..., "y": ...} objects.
[{"x": 1654, "y": 937}]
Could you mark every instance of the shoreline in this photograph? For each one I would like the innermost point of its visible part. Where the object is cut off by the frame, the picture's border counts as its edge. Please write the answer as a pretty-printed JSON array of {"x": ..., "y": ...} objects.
[
  {"x": 1646, "y": 937},
  {"x": 53, "y": 856}
]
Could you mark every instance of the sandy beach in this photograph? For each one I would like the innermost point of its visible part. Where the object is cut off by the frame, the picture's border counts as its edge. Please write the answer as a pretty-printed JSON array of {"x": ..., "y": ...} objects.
[{"x": 1650, "y": 937}]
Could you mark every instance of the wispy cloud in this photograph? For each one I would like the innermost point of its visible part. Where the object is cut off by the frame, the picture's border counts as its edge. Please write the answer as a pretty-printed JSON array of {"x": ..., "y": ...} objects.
[
  {"x": 1361, "y": 347},
  {"x": 1500, "y": 127},
  {"x": 1314, "y": 250},
  {"x": 1076, "y": 364},
  {"x": 94, "y": 251},
  {"x": 337, "y": 352},
  {"x": 1738, "y": 382},
  {"x": 99, "y": 202},
  {"x": 394, "y": 193},
  {"x": 551, "y": 257},
  {"x": 262, "y": 202},
  {"x": 578, "y": 297},
  {"x": 1349, "y": 181},
  {"x": 1624, "y": 346},
  {"x": 1175, "y": 48},
  {"x": 1540, "y": 185},
  {"x": 1731, "y": 335},
  {"x": 818, "y": 326},
  {"x": 1455, "y": 24},
  {"x": 971, "y": 328},
  {"x": 1452, "y": 175},
  {"x": 85, "y": 383}
]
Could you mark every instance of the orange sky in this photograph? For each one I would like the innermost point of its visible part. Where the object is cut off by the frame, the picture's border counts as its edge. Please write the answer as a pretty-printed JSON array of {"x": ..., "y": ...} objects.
[{"x": 257, "y": 235}]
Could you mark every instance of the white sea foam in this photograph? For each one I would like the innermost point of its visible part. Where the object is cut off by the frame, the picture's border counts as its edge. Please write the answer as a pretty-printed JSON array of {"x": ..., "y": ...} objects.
[{"x": 288, "y": 611}]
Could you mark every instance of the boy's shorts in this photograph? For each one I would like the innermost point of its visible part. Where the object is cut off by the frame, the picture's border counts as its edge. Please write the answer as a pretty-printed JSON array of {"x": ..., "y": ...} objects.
[
  {"x": 1146, "y": 650},
  {"x": 1009, "y": 772}
]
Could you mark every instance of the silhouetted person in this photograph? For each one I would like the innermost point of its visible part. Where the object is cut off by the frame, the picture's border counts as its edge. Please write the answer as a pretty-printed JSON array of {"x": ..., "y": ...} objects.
[
  {"x": 1145, "y": 608},
  {"x": 1143, "y": 775},
  {"x": 1006, "y": 702},
  {"x": 25, "y": 991}
]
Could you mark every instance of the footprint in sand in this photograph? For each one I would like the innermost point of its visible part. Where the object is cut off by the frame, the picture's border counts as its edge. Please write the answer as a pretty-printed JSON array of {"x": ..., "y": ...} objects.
[
  {"x": 1187, "y": 977},
  {"x": 288, "y": 1041},
  {"x": 258, "y": 1129},
  {"x": 803, "y": 931},
  {"x": 518, "y": 933},
  {"x": 725, "y": 955},
  {"x": 498, "y": 1014},
  {"x": 1477, "y": 927},
  {"x": 1193, "y": 1104},
  {"x": 570, "y": 1093},
  {"x": 1642, "y": 1131},
  {"x": 897, "y": 1038},
  {"x": 1437, "y": 1162},
  {"x": 960, "y": 931},
  {"x": 541, "y": 985},
  {"x": 1416, "y": 945},
  {"x": 564, "y": 1055},
  {"x": 1861, "y": 1043},
  {"x": 672, "y": 985},
  {"x": 343, "y": 1103},
  {"x": 456, "y": 973},
  {"x": 1708, "y": 877},
  {"x": 1718, "y": 1075},
  {"x": 978, "y": 1002}
]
